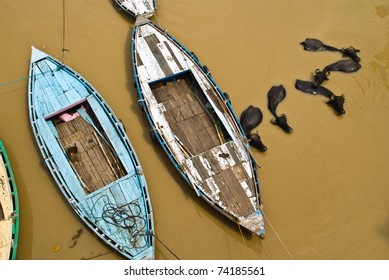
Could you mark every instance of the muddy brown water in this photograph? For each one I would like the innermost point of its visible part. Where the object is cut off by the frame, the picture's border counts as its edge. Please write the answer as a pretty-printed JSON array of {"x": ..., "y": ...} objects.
[{"x": 325, "y": 187}]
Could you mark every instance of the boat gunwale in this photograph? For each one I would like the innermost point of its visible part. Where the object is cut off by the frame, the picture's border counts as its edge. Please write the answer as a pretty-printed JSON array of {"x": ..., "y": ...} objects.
[{"x": 15, "y": 201}]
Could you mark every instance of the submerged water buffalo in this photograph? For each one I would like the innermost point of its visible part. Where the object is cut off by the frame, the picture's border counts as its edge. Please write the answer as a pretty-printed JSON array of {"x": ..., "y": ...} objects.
[
  {"x": 351, "y": 52},
  {"x": 313, "y": 45},
  {"x": 249, "y": 119},
  {"x": 345, "y": 65},
  {"x": 319, "y": 77},
  {"x": 336, "y": 102},
  {"x": 275, "y": 95},
  {"x": 256, "y": 141}
]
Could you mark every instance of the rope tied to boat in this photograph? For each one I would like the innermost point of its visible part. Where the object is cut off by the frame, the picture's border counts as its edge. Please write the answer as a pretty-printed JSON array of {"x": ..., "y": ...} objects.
[
  {"x": 241, "y": 234},
  {"x": 31, "y": 76},
  {"x": 165, "y": 246},
  {"x": 127, "y": 216},
  {"x": 63, "y": 31},
  {"x": 279, "y": 238},
  {"x": 159, "y": 21}
]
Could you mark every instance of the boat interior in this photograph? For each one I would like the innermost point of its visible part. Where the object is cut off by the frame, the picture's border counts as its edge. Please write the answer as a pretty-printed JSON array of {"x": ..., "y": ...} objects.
[
  {"x": 88, "y": 149},
  {"x": 189, "y": 113},
  {"x": 203, "y": 138},
  {"x": 5, "y": 183},
  {"x": 2, "y": 216}
]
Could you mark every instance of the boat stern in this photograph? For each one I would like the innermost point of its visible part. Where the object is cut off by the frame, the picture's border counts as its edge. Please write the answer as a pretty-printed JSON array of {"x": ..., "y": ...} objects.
[
  {"x": 146, "y": 255},
  {"x": 255, "y": 223},
  {"x": 137, "y": 8}
]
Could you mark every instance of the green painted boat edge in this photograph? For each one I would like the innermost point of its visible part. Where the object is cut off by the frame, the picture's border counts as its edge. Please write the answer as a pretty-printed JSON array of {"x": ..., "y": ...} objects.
[{"x": 15, "y": 224}]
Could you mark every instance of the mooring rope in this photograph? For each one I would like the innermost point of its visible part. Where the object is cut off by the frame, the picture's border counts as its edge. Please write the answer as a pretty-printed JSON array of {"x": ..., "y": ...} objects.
[
  {"x": 26, "y": 77},
  {"x": 279, "y": 238},
  {"x": 103, "y": 254},
  {"x": 241, "y": 234},
  {"x": 63, "y": 49},
  {"x": 166, "y": 247},
  {"x": 100, "y": 255},
  {"x": 63, "y": 31},
  {"x": 14, "y": 81},
  {"x": 159, "y": 21}
]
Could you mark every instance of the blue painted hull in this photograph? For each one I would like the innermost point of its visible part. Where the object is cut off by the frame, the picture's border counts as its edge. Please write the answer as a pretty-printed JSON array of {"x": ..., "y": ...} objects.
[{"x": 118, "y": 210}]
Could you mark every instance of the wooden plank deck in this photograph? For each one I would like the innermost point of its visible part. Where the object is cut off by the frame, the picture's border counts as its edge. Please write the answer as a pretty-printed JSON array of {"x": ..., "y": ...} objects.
[
  {"x": 138, "y": 7},
  {"x": 120, "y": 211},
  {"x": 90, "y": 156},
  {"x": 220, "y": 170},
  {"x": 230, "y": 179},
  {"x": 152, "y": 42},
  {"x": 189, "y": 121}
]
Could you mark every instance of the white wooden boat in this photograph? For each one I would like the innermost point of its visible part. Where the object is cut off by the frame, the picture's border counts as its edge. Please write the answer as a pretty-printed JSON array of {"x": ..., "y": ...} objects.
[
  {"x": 144, "y": 8},
  {"x": 194, "y": 122},
  {"x": 9, "y": 209},
  {"x": 86, "y": 149}
]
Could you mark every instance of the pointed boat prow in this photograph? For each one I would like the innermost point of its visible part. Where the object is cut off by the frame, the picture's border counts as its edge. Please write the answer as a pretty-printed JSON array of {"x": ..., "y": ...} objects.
[
  {"x": 255, "y": 224},
  {"x": 36, "y": 54},
  {"x": 137, "y": 8}
]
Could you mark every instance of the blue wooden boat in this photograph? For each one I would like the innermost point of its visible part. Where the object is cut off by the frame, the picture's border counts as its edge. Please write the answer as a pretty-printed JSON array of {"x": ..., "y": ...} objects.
[
  {"x": 9, "y": 209},
  {"x": 194, "y": 122},
  {"x": 136, "y": 8},
  {"x": 86, "y": 149}
]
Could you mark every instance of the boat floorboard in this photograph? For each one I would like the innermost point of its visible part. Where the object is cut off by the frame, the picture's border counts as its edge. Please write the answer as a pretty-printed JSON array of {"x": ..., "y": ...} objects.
[
  {"x": 187, "y": 119},
  {"x": 199, "y": 133},
  {"x": 90, "y": 156}
]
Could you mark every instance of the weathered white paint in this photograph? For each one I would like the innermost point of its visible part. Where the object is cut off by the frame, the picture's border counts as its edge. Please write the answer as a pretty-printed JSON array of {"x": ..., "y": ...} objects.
[
  {"x": 149, "y": 59},
  {"x": 229, "y": 159},
  {"x": 249, "y": 169},
  {"x": 196, "y": 175},
  {"x": 224, "y": 164},
  {"x": 214, "y": 189},
  {"x": 145, "y": 8},
  {"x": 169, "y": 59},
  {"x": 246, "y": 188},
  {"x": 207, "y": 166},
  {"x": 151, "y": 71}
]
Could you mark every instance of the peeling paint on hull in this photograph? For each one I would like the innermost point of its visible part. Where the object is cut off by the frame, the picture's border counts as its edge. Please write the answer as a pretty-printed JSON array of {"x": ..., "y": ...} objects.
[{"x": 195, "y": 124}]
